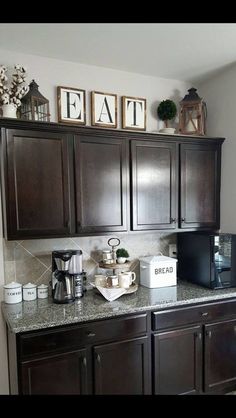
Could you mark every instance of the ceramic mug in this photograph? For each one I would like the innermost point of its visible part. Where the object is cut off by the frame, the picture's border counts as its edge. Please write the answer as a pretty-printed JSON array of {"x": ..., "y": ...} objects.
[
  {"x": 100, "y": 280},
  {"x": 112, "y": 281},
  {"x": 126, "y": 279}
]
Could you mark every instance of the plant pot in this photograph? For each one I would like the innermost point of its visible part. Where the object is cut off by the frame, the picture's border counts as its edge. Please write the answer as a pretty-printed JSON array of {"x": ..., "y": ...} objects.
[
  {"x": 121, "y": 260},
  {"x": 9, "y": 111},
  {"x": 167, "y": 130}
]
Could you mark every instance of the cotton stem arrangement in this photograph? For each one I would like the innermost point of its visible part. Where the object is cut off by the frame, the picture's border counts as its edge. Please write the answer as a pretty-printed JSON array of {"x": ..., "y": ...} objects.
[{"x": 13, "y": 93}]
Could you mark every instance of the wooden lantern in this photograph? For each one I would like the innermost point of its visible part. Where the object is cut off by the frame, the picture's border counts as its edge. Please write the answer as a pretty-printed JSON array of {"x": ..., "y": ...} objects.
[
  {"x": 192, "y": 118},
  {"x": 34, "y": 106}
]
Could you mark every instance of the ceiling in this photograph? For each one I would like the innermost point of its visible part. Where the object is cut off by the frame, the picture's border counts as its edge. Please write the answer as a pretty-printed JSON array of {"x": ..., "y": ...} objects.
[{"x": 182, "y": 51}]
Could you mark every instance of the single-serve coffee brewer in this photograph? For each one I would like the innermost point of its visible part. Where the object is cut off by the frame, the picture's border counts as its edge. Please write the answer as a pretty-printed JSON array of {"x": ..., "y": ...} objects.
[{"x": 67, "y": 275}]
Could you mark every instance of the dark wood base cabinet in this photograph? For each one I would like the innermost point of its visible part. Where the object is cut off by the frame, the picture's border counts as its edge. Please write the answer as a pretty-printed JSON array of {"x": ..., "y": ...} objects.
[
  {"x": 179, "y": 351},
  {"x": 108, "y": 357}
]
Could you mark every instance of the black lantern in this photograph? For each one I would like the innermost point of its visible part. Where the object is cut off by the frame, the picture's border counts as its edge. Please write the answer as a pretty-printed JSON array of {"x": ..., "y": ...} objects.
[
  {"x": 34, "y": 106},
  {"x": 192, "y": 118}
]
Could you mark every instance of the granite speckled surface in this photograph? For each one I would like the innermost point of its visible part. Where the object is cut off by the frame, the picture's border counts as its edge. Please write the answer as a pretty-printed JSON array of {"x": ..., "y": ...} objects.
[{"x": 43, "y": 313}]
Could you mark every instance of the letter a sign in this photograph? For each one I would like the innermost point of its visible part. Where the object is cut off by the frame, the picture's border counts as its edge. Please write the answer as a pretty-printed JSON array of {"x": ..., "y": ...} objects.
[
  {"x": 71, "y": 105},
  {"x": 104, "y": 109}
]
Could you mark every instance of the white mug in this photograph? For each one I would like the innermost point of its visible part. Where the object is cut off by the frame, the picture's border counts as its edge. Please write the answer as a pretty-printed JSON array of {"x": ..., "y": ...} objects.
[
  {"x": 126, "y": 279},
  {"x": 100, "y": 280}
]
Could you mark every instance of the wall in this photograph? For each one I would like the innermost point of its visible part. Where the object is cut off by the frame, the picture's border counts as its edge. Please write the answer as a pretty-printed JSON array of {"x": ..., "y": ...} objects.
[
  {"x": 50, "y": 73},
  {"x": 220, "y": 95}
]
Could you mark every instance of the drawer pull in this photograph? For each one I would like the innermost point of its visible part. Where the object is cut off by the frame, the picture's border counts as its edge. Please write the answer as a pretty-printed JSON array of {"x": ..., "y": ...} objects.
[
  {"x": 98, "y": 359},
  {"x": 204, "y": 313},
  {"x": 208, "y": 334},
  {"x": 91, "y": 334},
  {"x": 85, "y": 362}
]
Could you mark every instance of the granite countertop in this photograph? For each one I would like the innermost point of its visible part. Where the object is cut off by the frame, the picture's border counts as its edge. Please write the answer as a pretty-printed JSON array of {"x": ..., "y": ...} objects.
[{"x": 43, "y": 313}]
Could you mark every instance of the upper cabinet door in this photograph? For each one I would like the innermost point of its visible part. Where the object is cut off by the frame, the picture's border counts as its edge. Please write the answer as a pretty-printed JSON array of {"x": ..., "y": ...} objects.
[
  {"x": 36, "y": 184},
  {"x": 200, "y": 186},
  {"x": 154, "y": 185},
  {"x": 101, "y": 183}
]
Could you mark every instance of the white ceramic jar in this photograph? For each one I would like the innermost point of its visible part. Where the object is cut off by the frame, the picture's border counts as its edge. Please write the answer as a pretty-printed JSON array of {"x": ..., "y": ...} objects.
[
  {"x": 29, "y": 291},
  {"x": 42, "y": 291},
  {"x": 13, "y": 292}
]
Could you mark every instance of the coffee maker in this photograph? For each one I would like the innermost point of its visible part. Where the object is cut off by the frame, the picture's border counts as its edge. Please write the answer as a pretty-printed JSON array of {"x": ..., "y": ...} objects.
[{"x": 66, "y": 266}]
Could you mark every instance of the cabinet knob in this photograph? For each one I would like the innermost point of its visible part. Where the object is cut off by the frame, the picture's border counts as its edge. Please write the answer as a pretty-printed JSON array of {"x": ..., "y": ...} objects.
[
  {"x": 198, "y": 335},
  {"x": 85, "y": 362},
  {"x": 204, "y": 314},
  {"x": 98, "y": 358},
  {"x": 208, "y": 334},
  {"x": 172, "y": 220},
  {"x": 183, "y": 219}
]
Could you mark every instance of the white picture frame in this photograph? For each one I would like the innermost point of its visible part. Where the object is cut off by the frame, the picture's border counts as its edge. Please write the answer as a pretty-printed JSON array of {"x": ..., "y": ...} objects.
[
  {"x": 103, "y": 109},
  {"x": 71, "y": 105},
  {"x": 134, "y": 113}
]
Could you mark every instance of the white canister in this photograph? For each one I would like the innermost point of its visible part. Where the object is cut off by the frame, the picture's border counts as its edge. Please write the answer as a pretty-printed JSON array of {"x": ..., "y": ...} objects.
[
  {"x": 29, "y": 291},
  {"x": 13, "y": 292},
  {"x": 42, "y": 291}
]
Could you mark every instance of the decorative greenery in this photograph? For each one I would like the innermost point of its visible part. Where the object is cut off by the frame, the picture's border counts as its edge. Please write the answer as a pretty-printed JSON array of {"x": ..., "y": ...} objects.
[
  {"x": 14, "y": 92},
  {"x": 121, "y": 252},
  {"x": 167, "y": 110}
]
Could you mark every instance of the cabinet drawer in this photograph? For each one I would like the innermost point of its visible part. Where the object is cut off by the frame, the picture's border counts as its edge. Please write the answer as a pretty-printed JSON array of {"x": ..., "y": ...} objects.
[
  {"x": 58, "y": 340},
  {"x": 194, "y": 314}
]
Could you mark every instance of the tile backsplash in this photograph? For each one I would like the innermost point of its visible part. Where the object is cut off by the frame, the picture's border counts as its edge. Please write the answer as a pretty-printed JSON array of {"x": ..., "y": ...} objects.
[{"x": 30, "y": 260}]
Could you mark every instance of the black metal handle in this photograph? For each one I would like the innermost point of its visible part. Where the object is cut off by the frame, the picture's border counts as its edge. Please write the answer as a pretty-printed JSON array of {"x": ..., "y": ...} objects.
[
  {"x": 204, "y": 313},
  {"x": 172, "y": 220},
  {"x": 198, "y": 335},
  {"x": 183, "y": 219},
  {"x": 208, "y": 334},
  {"x": 85, "y": 362},
  {"x": 98, "y": 358},
  {"x": 91, "y": 334}
]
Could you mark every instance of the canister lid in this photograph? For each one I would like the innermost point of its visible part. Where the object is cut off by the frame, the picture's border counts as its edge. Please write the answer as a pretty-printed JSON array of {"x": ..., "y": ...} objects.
[
  {"x": 158, "y": 259},
  {"x": 29, "y": 286},
  {"x": 42, "y": 286},
  {"x": 12, "y": 285}
]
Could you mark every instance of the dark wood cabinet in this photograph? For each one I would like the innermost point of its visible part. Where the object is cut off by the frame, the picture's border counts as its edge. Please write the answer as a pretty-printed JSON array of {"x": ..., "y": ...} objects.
[
  {"x": 65, "y": 374},
  {"x": 154, "y": 185},
  {"x": 175, "y": 186},
  {"x": 178, "y": 361},
  {"x": 194, "y": 349},
  {"x": 220, "y": 355},
  {"x": 122, "y": 368},
  {"x": 60, "y": 180},
  {"x": 101, "y": 183},
  {"x": 110, "y": 356},
  {"x": 37, "y": 184},
  {"x": 200, "y": 186}
]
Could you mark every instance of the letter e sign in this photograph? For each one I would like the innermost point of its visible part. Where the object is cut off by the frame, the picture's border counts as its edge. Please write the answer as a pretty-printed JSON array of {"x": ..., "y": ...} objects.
[
  {"x": 104, "y": 109},
  {"x": 71, "y": 105}
]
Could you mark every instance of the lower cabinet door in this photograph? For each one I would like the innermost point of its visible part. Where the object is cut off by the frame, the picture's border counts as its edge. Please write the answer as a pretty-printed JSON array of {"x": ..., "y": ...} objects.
[
  {"x": 122, "y": 368},
  {"x": 220, "y": 355},
  {"x": 178, "y": 361},
  {"x": 63, "y": 374}
]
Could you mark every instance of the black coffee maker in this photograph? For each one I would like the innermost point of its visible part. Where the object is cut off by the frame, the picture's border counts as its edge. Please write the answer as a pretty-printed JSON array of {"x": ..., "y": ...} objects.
[{"x": 64, "y": 265}]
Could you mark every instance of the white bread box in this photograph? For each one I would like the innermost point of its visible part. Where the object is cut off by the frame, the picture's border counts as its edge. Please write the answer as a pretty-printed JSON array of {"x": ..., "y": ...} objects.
[{"x": 158, "y": 271}]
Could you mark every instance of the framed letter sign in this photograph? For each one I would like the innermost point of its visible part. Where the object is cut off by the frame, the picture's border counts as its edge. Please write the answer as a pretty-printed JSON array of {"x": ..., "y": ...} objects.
[
  {"x": 134, "y": 113},
  {"x": 71, "y": 105},
  {"x": 104, "y": 109}
]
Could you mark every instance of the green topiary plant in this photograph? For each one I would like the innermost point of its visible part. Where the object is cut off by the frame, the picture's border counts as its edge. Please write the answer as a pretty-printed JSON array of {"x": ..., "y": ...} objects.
[
  {"x": 166, "y": 111},
  {"x": 121, "y": 252}
]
